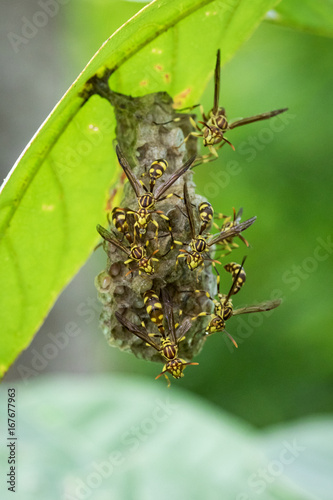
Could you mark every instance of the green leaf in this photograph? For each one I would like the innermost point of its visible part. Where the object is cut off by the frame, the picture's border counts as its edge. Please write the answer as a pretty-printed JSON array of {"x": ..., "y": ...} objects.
[
  {"x": 312, "y": 16},
  {"x": 58, "y": 190},
  {"x": 132, "y": 438}
]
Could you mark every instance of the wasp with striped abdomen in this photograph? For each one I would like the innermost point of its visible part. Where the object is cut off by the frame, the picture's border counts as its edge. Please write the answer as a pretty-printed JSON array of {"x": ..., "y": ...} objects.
[
  {"x": 215, "y": 123},
  {"x": 199, "y": 244},
  {"x": 147, "y": 200},
  {"x": 154, "y": 309},
  {"x": 168, "y": 347},
  {"x": 223, "y": 307},
  {"x": 237, "y": 272},
  {"x": 136, "y": 253},
  {"x": 156, "y": 170},
  {"x": 119, "y": 220}
]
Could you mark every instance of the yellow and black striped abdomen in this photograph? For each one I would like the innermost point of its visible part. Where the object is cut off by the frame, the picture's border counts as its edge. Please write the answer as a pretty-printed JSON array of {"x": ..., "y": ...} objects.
[
  {"x": 154, "y": 308},
  {"x": 157, "y": 169},
  {"x": 120, "y": 222},
  {"x": 206, "y": 212},
  {"x": 221, "y": 121},
  {"x": 237, "y": 271},
  {"x": 146, "y": 201},
  {"x": 169, "y": 350}
]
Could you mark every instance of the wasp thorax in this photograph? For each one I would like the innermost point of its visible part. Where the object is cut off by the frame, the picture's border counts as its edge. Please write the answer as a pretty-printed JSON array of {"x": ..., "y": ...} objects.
[
  {"x": 146, "y": 201},
  {"x": 224, "y": 309},
  {"x": 169, "y": 350},
  {"x": 221, "y": 122},
  {"x": 138, "y": 253},
  {"x": 227, "y": 311},
  {"x": 199, "y": 244}
]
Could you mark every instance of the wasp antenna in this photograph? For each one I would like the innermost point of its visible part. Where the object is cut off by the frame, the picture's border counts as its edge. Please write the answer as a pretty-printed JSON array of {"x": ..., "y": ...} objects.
[
  {"x": 232, "y": 339},
  {"x": 217, "y": 77},
  {"x": 205, "y": 124},
  {"x": 228, "y": 142}
]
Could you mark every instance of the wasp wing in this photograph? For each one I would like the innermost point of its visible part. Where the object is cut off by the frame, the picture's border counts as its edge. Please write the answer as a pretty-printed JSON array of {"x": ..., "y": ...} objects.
[
  {"x": 172, "y": 179},
  {"x": 168, "y": 314},
  {"x": 136, "y": 330},
  {"x": 189, "y": 211},
  {"x": 108, "y": 237},
  {"x": 256, "y": 118},
  {"x": 184, "y": 328},
  {"x": 137, "y": 187},
  {"x": 238, "y": 216},
  {"x": 263, "y": 306},
  {"x": 217, "y": 82},
  {"x": 231, "y": 232}
]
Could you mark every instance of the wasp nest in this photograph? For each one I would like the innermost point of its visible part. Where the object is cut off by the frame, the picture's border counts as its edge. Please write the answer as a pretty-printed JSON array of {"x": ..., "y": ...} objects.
[{"x": 147, "y": 131}]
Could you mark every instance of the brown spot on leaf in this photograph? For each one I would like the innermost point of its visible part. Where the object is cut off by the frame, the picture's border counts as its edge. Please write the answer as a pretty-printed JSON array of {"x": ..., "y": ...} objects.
[
  {"x": 113, "y": 193},
  {"x": 179, "y": 99}
]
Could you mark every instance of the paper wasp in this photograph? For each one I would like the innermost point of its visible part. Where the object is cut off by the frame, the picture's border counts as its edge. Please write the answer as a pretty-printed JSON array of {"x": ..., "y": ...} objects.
[
  {"x": 215, "y": 124},
  {"x": 168, "y": 347},
  {"x": 223, "y": 307},
  {"x": 146, "y": 199},
  {"x": 228, "y": 243},
  {"x": 136, "y": 253},
  {"x": 199, "y": 244}
]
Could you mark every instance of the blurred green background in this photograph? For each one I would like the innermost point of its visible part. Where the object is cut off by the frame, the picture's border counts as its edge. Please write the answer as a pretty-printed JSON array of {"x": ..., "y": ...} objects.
[
  {"x": 282, "y": 371},
  {"x": 280, "y": 172}
]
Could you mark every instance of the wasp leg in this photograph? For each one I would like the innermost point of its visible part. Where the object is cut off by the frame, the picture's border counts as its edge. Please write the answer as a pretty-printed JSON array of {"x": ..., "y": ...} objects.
[
  {"x": 213, "y": 150},
  {"x": 181, "y": 255},
  {"x": 201, "y": 314}
]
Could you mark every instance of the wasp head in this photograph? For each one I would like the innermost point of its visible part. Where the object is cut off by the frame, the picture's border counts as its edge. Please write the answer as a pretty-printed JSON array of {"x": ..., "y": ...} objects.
[
  {"x": 194, "y": 260},
  {"x": 147, "y": 266},
  {"x": 217, "y": 324}
]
